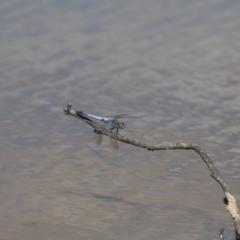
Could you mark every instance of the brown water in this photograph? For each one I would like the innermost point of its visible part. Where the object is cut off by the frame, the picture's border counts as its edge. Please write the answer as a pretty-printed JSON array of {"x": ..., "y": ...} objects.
[{"x": 175, "y": 63}]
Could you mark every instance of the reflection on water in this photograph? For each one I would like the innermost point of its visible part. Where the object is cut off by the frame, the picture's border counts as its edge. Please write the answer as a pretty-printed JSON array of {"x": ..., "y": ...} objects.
[{"x": 175, "y": 64}]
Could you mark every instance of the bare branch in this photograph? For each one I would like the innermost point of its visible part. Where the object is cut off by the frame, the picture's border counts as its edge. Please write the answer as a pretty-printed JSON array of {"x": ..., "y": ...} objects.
[
  {"x": 229, "y": 199},
  {"x": 221, "y": 234}
]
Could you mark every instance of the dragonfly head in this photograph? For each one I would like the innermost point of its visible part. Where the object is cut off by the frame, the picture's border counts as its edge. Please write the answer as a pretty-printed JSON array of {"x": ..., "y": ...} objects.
[{"x": 121, "y": 125}]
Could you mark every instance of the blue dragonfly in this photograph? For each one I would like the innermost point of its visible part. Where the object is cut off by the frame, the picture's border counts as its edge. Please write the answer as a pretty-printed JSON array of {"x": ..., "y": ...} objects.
[{"x": 111, "y": 124}]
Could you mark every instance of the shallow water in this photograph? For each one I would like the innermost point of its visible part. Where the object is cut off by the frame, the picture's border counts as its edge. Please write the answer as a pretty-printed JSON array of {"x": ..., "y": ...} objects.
[{"x": 174, "y": 63}]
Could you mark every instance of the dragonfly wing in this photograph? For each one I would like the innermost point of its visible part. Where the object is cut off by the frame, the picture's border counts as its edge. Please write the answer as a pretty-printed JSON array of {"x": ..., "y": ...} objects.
[
  {"x": 119, "y": 116},
  {"x": 98, "y": 139},
  {"x": 114, "y": 144},
  {"x": 125, "y": 116},
  {"x": 129, "y": 117}
]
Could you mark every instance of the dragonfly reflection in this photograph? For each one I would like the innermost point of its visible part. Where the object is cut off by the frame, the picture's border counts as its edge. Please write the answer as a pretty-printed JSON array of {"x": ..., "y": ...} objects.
[{"x": 110, "y": 124}]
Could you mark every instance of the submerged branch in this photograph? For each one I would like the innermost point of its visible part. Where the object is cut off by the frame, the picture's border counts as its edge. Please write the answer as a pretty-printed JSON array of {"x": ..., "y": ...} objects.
[{"x": 229, "y": 199}]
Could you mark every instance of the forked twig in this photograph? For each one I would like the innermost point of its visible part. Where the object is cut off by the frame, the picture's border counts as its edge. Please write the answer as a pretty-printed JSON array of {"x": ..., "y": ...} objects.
[{"x": 229, "y": 199}]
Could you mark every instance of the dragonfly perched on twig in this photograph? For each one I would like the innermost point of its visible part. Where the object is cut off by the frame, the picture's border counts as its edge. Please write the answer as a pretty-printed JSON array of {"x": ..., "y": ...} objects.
[{"x": 111, "y": 124}]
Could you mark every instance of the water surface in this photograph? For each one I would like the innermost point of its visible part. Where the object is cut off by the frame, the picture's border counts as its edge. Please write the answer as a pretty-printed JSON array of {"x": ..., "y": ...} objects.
[{"x": 175, "y": 63}]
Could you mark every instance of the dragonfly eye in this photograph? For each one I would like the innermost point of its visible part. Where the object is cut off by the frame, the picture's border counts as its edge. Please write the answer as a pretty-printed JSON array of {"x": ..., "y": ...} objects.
[{"x": 122, "y": 125}]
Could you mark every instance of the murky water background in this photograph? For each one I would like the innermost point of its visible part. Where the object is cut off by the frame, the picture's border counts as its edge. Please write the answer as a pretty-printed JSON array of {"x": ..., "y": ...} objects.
[{"x": 175, "y": 63}]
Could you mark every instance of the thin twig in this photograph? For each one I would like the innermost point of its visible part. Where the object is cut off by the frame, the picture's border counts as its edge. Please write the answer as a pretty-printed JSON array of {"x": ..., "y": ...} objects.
[
  {"x": 229, "y": 199},
  {"x": 221, "y": 233}
]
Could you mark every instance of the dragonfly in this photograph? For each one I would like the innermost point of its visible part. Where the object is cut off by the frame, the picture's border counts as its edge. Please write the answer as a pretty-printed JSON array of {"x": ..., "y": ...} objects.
[{"x": 110, "y": 124}]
